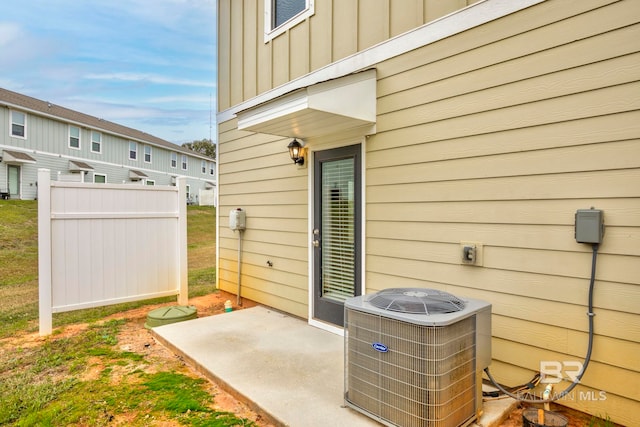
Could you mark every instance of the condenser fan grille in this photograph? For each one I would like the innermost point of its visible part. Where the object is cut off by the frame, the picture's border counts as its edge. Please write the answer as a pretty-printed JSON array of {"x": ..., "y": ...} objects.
[{"x": 416, "y": 301}]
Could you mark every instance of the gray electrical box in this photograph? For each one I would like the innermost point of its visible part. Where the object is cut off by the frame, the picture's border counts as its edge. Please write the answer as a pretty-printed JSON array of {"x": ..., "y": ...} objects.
[
  {"x": 589, "y": 227},
  {"x": 237, "y": 220}
]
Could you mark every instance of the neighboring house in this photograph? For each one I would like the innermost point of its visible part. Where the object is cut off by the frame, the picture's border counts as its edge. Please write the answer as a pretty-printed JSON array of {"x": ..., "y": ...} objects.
[
  {"x": 427, "y": 124},
  {"x": 75, "y": 146}
]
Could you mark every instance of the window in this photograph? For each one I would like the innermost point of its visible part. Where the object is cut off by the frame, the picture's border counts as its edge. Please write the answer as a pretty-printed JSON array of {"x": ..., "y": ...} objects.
[
  {"x": 283, "y": 10},
  {"x": 174, "y": 160},
  {"x": 203, "y": 166},
  {"x": 18, "y": 124},
  {"x": 96, "y": 141},
  {"x": 99, "y": 178},
  {"x": 150, "y": 182},
  {"x": 133, "y": 150},
  {"x": 147, "y": 154},
  {"x": 212, "y": 170},
  {"x": 184, "y": 162},
  {"x": 74, "y": 137},
  {"x": 280, "y": 15}
]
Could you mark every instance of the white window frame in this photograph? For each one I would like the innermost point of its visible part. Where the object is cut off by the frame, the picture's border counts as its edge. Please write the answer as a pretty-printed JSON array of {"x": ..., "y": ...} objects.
[
  {"x": 144, "y": 154},
  {"x": 24, "y": 125},
  {"x": 79, "y": 137},
  {"x": 212, "y": 170},
  {"x": 184, "y": 162},
  {"x": 150, "y": 182},
  {"x": 99, "y": 174},
  {"x": 98, "y": 141},
  {"x": 133, "y": 150},
  {"x": 173, "y": 160},
  {"x": 203, "y": 166},
  {"x": 270, "y": 33}
]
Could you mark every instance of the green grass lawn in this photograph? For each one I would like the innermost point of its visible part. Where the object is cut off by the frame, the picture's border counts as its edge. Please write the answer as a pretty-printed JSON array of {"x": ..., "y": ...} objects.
[{"x": 47, "y": 384}]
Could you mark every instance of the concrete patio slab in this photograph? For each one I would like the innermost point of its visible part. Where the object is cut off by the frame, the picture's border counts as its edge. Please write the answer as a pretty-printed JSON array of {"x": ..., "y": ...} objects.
[{"x": 287, "y": 371}]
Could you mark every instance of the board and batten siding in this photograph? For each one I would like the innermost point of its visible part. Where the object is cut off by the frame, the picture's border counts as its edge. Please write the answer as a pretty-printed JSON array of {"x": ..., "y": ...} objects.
[
  {"x": 498, "y": 135},
  {"x": 337, "y": 29},
  {"x": 258, "y": 176}
]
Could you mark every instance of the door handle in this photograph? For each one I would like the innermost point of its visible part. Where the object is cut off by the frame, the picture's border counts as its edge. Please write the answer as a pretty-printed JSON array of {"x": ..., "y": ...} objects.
[{"x": 316, "y": 238}]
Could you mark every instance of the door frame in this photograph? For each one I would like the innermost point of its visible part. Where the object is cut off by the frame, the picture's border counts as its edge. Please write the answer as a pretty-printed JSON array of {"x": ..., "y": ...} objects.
[
  {"x": 19, "y": 193},
  {"x": 311, "y": 207}
]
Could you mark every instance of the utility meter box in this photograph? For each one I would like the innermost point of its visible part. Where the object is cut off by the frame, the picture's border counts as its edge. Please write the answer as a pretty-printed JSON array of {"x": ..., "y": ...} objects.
[
  {"x": 589, "y": 227},
  {"x": 237, "y": 219}
]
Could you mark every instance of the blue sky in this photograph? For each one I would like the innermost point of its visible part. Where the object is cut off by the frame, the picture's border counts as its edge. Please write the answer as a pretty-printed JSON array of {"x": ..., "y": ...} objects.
[{"x": 146, "y": 64}]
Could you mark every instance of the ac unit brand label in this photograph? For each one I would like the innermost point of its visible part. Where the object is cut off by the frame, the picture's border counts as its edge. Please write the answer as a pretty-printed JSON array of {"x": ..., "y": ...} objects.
[{"x": 378, "y": 346}]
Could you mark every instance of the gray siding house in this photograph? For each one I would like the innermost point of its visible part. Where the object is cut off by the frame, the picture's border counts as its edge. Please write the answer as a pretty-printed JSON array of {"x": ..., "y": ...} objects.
[{"x": 78, "y": 147}]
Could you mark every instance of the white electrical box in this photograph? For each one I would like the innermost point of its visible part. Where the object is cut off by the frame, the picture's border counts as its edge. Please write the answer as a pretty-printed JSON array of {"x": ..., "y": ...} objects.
[{"x": 237, "y": 219}]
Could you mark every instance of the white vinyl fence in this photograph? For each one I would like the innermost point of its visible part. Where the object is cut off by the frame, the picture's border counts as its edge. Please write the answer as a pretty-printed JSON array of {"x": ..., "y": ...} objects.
[{"x": 102, "y": 244}]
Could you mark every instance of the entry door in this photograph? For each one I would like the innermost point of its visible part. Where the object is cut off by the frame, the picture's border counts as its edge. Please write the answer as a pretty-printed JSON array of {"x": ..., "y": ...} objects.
[
  {"x": 336, "y": 232},
  {"x": 13, "y": 176}
]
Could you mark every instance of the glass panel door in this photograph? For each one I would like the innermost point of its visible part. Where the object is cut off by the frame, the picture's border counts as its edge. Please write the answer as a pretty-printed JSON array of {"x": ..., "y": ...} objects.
[
  {"x": 13, "y": 175},
  {"x": 336, "y": 231}
]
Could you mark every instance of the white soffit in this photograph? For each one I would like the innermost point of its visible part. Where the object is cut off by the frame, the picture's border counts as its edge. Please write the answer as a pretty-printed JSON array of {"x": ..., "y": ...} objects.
[{"x": 338, "y": 105}]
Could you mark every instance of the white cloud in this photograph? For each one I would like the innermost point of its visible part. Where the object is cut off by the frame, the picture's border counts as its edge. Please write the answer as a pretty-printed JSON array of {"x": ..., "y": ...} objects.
[
  {"x": 9, "y": 32},
  {"x": 148, "y": 78}
]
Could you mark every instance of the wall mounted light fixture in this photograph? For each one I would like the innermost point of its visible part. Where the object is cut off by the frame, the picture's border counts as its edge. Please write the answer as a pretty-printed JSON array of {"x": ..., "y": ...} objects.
[{"x": 296, "y": 151}]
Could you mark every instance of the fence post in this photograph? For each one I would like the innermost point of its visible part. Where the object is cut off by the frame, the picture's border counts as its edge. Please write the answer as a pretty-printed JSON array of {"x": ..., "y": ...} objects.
[
  {"x": 45, "y": 314},
  {"x": 183, "y": 272}
]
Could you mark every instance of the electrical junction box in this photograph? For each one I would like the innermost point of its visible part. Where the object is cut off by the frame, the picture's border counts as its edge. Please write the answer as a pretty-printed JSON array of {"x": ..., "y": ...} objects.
[
  {"x": 237, "y": 220},
  {"x": 471, "y": 253},
  {"x": 589, "y": 226}
]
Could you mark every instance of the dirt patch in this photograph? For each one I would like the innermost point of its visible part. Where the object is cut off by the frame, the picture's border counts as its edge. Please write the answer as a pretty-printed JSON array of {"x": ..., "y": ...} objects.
[
  {"x": 135, "y": 338},
  {"x": 574, "y": 418}
]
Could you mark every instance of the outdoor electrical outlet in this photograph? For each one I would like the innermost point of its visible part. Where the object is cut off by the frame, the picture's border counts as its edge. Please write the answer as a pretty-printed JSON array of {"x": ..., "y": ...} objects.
[{"x": 471, "y": 253}]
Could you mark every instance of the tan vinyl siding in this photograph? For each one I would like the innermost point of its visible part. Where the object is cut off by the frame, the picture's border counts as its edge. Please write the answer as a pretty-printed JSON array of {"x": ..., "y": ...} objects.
[
  {"x": 258, "y": 176},
  {"x": 236, "y": 83},
  {"x": 224, "y": 53},
  {"x": 498, "y": 135},
  {"x": 337, "y": 29},
  {"x": 299, "y": 51},
  {"x": 321, "y": 27},
  {"x": 250, "y": 37},
  {"x": 345, "y": 30},
  {"x": 405, "y": 16},
  {"x": 373, "y": 22}
]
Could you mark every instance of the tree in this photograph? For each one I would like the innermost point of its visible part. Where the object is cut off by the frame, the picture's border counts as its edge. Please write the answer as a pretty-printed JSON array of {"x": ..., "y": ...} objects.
[{"x": 204, "y": 146}]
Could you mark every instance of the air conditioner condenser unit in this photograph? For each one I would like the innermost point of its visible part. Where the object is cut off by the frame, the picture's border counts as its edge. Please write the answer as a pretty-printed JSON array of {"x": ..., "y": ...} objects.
[{"x": 414, "y": 357}]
